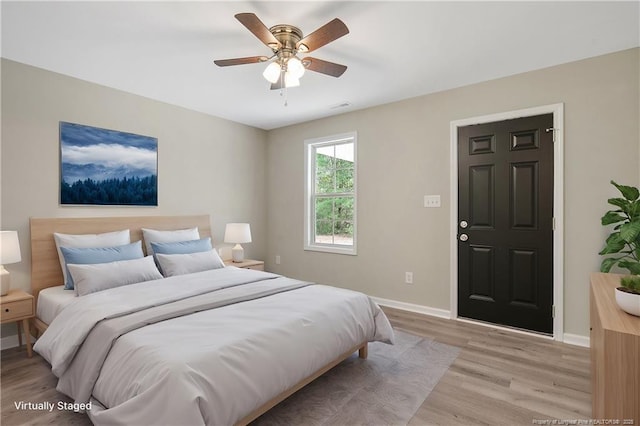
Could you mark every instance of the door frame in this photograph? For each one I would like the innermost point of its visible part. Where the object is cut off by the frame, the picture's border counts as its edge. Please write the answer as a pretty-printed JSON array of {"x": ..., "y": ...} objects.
[{"x": 558, "y": 205}]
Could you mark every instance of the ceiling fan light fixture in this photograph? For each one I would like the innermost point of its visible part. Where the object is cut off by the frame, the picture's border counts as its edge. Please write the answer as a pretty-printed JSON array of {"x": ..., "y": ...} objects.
[
  {"x": 286, "y": 41},
  {"x": 272, "y": 72},
  {"x": 291, "y": 80},
  {"x": 295, "y": 67}
]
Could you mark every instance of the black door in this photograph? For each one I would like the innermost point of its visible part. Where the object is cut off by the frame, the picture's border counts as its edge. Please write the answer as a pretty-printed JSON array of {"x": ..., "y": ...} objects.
[{"x": 505, "y": 222}]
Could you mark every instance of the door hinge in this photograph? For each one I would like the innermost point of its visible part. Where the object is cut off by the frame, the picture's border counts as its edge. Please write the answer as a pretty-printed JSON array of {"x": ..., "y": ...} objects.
[
  {"x": 553, "y": 311},
  {"x": 552, "y": 129},
  {"x": 553, "y": 223}
]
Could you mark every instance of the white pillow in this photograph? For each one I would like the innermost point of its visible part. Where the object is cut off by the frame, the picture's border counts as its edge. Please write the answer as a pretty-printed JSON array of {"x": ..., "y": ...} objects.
[
  {"x": 108, "y": 239},
  {"x": 157, "y": 236},
  {"x": 103, "y": 276},
  {"x": 180, "y": 264}
]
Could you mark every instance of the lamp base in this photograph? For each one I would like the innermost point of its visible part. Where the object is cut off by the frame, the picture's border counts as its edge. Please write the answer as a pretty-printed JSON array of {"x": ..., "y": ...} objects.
[
  {"x": 237, "y": 253},
  {"x": 5, "y": 281}
]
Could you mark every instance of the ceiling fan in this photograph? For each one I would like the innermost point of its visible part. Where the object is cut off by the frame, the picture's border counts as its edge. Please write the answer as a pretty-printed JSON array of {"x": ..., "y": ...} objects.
[{"x": 286, "y": 41}]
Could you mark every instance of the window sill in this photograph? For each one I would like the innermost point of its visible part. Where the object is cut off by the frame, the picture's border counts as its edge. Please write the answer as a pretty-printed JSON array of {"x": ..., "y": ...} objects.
[{"x": 351, "y": 251}]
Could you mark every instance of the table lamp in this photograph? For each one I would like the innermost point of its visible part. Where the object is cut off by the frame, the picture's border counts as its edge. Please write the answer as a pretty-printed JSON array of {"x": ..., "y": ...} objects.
[
  {"x": 9, "y": 253},
  {"x": 237, "y": 233}
]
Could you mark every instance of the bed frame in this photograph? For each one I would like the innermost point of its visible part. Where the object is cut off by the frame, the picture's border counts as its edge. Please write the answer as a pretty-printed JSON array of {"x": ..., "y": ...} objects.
[{"x": 46, "y": 272}]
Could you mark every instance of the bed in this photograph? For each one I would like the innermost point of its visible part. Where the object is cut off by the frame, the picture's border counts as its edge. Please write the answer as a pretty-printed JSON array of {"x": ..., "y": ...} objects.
[{"x": 218, "y": 346}]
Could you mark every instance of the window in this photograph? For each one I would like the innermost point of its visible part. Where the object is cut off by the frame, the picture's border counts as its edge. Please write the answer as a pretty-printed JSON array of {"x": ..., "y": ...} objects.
[{"x": 330, "y": 194}]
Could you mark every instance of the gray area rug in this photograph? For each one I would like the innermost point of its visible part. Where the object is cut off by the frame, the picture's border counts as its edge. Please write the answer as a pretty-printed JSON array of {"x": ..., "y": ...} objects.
[{"x": 385, "y": 389}]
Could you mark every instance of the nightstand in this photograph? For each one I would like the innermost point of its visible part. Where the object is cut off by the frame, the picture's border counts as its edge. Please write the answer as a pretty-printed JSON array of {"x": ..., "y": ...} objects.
[
  {"x": 17, "y": 306},
  {"x": 258, "y": 265}
]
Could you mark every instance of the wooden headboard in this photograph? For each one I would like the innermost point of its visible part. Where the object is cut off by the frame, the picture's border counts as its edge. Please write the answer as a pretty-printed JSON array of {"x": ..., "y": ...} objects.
[{"x": 45, "y": 265}]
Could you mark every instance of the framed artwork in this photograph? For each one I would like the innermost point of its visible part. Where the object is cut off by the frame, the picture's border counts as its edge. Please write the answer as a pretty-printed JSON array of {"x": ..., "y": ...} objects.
[{"x": 107, "y": 167}]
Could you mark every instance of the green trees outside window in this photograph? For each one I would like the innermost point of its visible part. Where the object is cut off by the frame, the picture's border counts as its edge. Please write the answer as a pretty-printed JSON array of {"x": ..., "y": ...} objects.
[{"x": 334, "y": 194}]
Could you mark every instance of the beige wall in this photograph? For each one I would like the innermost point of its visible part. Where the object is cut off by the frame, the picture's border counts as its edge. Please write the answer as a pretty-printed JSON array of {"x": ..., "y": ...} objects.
[
  {"x": 197, "y": 155},
  {"x": 404, "y": 154}
]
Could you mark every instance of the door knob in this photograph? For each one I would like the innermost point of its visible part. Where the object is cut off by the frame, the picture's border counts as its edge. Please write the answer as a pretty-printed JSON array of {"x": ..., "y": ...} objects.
[
  {"x": 463, "y": 224},
  {"x": 464, "y": 237}
]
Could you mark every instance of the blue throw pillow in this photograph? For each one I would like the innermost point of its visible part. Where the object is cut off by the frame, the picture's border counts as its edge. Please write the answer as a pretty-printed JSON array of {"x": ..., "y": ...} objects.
[
  {"x": 92, "y": 255},
  {"x": 182, "y": 247}
]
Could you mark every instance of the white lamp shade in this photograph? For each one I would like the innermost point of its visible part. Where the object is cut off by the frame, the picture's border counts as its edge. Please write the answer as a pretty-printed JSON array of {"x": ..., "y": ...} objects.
[
  {"x": 291, "y": 80},
  {"x": 272, "y": 72},
  {"x": 9, "y": 247},
  {"x": 295, "y": 67},
  {"x": 237, "y": 233}
]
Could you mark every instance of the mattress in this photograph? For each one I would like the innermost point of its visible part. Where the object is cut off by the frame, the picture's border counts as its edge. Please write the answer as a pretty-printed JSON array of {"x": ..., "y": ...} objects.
[{"x": 51, "y": 301}]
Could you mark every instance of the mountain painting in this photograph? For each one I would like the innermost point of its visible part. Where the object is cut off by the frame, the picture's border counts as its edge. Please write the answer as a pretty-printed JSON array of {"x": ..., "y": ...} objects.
[{"x": 107, "y": 167}]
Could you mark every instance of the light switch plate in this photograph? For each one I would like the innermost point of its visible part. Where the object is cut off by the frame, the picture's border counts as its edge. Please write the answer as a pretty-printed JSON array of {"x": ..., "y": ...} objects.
[{"x": 432, "y": 201}]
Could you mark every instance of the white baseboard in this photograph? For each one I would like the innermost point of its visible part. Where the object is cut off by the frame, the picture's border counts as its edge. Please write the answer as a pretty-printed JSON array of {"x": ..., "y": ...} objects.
[
  {"x": 9, "y": 342},
  {"x": 568, "y": 338},
  {"x": 421, "y": 309},
  {"x": 577, "y": 340}
]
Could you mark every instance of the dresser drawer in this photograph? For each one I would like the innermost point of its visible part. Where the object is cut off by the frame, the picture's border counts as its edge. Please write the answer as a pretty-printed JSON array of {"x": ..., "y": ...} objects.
[{"x": 16, "y": 309}]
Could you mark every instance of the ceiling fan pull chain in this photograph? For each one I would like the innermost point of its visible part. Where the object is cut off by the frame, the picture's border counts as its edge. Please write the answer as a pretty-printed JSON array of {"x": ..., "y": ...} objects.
[{"x": 283, "y": 86}]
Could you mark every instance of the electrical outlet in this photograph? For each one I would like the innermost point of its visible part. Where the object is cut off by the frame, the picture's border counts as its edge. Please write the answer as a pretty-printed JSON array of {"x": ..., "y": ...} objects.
[
  {"x": 432, "y": 201},
  {"x": 277, "y": 259},
  {"x": 408, "y": 277}
]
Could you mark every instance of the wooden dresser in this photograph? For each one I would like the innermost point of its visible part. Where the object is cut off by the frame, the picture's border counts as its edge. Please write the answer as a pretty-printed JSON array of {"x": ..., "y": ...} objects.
[{"x": 615, "y": 354}]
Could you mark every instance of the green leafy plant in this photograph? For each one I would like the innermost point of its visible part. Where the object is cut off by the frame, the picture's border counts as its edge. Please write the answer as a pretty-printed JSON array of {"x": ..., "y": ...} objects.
[
  {"x": 631, "y": 284},
  {"x": 624, "y": 242}
]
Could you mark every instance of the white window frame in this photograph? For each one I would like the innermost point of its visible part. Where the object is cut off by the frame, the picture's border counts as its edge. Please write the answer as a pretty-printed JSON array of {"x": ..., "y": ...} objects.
[{"x": 309, "y": 192}]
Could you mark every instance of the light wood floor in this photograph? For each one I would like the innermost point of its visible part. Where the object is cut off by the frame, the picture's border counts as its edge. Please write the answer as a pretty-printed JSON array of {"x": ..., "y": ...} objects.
[{"x": 499, "y": 378}]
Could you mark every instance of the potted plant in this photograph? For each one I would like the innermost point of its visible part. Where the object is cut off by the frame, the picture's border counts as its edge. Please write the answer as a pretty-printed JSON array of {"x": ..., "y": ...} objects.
[{"x": 624, "y": 246}]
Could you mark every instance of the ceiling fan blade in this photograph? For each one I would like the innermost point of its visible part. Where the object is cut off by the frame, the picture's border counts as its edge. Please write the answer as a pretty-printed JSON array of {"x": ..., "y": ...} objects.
[
  {"x": 255, "y": 25},
  {"x": 240, "y": 61},
  {"x": 324, "y": 67},
  {"x": 323, "y": 35}
]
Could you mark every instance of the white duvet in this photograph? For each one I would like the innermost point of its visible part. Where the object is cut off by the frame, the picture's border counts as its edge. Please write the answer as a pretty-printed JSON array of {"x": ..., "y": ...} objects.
[{"x": 204, "y": 348}]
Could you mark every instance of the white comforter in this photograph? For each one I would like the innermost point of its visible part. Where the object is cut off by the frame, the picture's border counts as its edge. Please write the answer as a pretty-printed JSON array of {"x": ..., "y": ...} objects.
[{"x": 204, "y": 348}]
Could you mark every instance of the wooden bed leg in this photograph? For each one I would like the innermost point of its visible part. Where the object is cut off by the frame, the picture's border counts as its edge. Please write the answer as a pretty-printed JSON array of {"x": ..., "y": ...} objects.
[
  {"x": 363, "y": 352},
  {"x": 34, "y": 330}
]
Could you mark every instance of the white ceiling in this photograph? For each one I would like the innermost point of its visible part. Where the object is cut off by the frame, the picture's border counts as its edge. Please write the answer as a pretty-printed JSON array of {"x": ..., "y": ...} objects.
[{"x": 395, "y": 50}]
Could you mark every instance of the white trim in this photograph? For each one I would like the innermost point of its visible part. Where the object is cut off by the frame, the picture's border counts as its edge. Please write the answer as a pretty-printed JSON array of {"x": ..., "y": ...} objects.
[
  {"x": 9, "y": 342},
  {"x": 331, "y": 248},
  {"x": 558, "y": 204},
  {"x": 411, "y": 307},
  {"x": 577, "y": 340},
  {"x": 558, "y": 214},
  {"x": 351, "y": 137}
]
